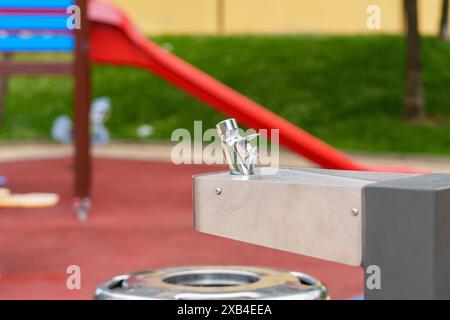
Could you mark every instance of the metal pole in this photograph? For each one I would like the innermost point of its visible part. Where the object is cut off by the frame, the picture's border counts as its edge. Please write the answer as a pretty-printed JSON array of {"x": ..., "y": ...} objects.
[{"x": 407, "y": 238}]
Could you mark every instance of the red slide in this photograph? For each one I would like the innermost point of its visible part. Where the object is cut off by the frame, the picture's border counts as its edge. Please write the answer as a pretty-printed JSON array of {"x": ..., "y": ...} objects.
[{"x": 115, "y": 40}]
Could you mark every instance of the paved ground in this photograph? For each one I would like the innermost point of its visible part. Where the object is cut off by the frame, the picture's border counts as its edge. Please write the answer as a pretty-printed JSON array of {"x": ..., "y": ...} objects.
[
  {"x": 141, "y": 218},
  {"x": 162, "y": 152}
]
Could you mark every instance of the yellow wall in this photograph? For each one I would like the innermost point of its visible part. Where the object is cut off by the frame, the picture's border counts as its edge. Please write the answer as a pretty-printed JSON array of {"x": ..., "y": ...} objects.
[
  {"x": 272, "y": 16},
  {"x": 171, "y": 16}
]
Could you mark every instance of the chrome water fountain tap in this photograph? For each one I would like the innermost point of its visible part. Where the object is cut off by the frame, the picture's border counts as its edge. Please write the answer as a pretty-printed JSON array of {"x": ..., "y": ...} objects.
[{"x": 240, "y": 155}]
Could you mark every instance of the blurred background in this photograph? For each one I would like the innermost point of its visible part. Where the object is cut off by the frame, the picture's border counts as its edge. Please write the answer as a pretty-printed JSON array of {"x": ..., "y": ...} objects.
[
  {"x": 369, "y": 77},
  {"x": 313, "y": 62}
]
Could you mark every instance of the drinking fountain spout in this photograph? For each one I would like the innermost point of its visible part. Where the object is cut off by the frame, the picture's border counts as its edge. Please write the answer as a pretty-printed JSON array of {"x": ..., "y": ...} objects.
[{"x": 239, "y": 153}]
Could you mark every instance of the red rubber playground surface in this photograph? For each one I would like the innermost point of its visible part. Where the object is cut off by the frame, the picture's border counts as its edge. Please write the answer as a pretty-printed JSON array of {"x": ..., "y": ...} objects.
[{"x": 141, "y": 218}]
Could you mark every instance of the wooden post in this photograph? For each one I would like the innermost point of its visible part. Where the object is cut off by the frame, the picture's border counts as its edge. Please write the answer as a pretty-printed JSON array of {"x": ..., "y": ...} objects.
[
  {"x": 4, "y": 81},
  {"x": 82, "y": 106}
]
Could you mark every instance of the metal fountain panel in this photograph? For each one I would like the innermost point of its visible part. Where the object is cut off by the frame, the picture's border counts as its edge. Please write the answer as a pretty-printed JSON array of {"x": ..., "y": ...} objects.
[{"x": 306, "y": 211}]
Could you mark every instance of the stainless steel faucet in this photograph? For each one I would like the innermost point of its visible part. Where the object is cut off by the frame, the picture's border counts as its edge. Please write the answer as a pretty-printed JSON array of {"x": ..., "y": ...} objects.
[{"x": 240, "y": 155}]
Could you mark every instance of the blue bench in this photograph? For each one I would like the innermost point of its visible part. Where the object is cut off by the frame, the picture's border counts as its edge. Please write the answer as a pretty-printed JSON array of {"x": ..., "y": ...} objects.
[{"x": 34, "y": 26}]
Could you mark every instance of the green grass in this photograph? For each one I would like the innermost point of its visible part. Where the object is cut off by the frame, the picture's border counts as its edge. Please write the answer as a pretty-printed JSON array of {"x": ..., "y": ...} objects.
[{"x": 347, "y": 90}]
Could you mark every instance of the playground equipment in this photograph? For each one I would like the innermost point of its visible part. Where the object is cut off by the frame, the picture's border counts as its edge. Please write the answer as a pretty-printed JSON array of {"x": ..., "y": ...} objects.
[
  {"x": 115, "y": 40},
  {"x": 108, "y": 36},
  {"x": 42, "y": 26},
  {"x": 213, "y": 283},
  {"x": 62, "y": 129},
  {"x": 397, "y": 226},
  {"x": 29, "y": 200}
]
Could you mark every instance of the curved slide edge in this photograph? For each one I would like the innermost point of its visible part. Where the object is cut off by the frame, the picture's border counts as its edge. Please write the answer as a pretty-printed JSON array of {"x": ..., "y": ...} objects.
[{"x": 115, "y": 40}]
